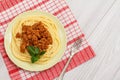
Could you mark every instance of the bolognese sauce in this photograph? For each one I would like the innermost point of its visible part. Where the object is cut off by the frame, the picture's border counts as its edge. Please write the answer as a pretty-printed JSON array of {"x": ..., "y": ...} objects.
[{"x": 36, "y": 35}]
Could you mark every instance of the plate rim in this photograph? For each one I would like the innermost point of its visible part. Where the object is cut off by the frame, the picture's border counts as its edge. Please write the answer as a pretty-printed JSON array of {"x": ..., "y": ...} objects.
[{"x": 53, "y": 61}]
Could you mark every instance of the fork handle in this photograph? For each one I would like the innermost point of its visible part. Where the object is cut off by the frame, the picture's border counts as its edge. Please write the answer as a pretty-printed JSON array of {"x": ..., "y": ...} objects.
[{"x": 64, "y": 69}]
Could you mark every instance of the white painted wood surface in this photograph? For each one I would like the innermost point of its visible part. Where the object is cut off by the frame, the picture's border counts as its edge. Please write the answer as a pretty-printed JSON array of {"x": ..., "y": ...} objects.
[{"x": 100, "y": 21}]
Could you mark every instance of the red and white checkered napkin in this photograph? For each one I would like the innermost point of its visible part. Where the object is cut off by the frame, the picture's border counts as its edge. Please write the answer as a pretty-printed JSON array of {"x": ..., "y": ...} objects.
[{"x": 11, "y": 8}]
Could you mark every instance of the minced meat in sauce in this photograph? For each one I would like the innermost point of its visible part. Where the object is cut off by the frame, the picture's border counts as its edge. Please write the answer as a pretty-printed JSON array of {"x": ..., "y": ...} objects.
[{"x": 36, "y": 35}]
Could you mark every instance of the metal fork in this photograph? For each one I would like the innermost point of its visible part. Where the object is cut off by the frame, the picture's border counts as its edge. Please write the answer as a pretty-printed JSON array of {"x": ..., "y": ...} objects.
[{"x": 74, "y": 48}]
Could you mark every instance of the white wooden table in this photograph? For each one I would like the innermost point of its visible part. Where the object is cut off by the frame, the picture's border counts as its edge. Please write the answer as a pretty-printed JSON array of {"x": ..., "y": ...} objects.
[{"x": 100, "y": 21}]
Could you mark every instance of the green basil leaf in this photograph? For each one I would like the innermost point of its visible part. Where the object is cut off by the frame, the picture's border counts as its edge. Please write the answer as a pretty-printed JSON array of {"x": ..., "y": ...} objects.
[
  {"x": 43, "y": 52},
  {"x": 35, "y": 53},
  {"x": 37, "y": 50},
  {"x": 34, "y": 59},
  {"x": 31, "y": 50}
]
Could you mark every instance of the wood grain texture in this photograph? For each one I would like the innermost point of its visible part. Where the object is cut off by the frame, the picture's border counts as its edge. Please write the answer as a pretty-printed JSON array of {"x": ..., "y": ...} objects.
[{"x": 100, "y": 21}]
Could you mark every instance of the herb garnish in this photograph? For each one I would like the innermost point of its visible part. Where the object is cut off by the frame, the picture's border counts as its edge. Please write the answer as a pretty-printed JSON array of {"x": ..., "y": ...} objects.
[{"x": 35, "y": 53}]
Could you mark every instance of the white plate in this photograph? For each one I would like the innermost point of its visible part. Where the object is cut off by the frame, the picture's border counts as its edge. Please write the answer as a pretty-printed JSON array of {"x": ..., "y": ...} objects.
[{"x": 31, "y": 66}]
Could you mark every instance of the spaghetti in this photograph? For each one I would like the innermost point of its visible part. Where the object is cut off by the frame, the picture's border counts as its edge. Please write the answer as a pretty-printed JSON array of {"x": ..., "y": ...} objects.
[{"x": 52, "y": 49}]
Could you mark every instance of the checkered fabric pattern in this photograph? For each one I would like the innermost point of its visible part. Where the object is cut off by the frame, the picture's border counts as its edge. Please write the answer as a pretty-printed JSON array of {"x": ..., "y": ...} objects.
[{"x": 11, "y": 8}]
